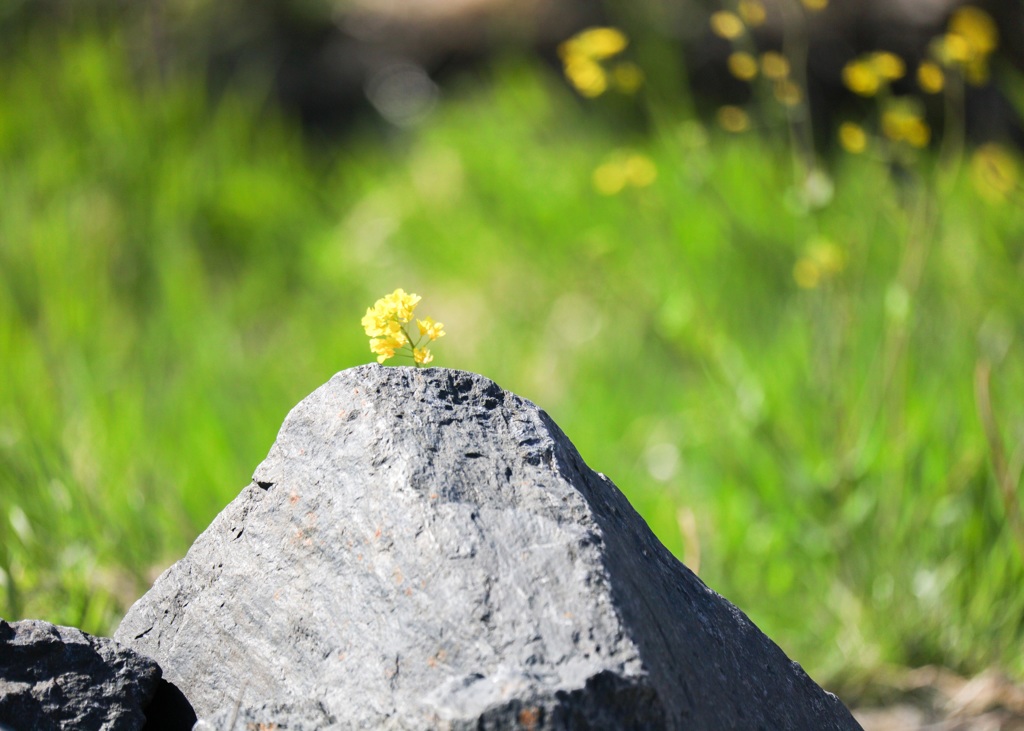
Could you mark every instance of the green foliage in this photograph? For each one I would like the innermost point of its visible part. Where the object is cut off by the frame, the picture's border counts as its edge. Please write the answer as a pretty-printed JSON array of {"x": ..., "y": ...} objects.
[{"x": 176, "y": 273}]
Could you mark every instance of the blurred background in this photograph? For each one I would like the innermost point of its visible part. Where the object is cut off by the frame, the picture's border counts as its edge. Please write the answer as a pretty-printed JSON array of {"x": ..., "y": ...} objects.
[{"x": 762, "y": 260}]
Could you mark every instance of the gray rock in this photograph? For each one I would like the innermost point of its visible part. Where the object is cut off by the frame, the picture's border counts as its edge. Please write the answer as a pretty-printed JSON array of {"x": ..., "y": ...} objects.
[
  {"x": 422, "y": 549},
  {"x": 60, "y": 677}
]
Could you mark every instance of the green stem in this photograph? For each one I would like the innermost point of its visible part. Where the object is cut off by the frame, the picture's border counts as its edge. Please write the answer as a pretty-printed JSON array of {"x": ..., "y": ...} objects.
[{"x": 412, "y": 346}]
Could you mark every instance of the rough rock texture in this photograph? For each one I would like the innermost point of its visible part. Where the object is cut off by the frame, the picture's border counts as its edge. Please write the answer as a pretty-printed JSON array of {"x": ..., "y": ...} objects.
[
  {"x": 59, "y": 677},
  {"x": 421, "y": 549}
]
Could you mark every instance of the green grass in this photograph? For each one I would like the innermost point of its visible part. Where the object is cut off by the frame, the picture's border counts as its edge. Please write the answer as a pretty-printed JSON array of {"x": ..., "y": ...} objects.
[{"x": 176, "y": 273}]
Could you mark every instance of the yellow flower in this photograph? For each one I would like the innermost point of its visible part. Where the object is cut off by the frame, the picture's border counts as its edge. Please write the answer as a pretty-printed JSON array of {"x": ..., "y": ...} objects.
[
  {"x": 733, "y": 119},
  {"x": 385, "y": 347},
  {"x": 586, "y": 75},
  {"x": 815, "y": 4},
  {"x": 866, "y": 74},
  {"x": 752, "y": 12},
  {"x": 930, "y": 77},
  {"x": 385, "y": 324},
  {"x": 774, "y": 65},
  {"x": 397, "y": 305},
  {"x": 422, "y": 356},
  {"x": 431, "y": 329},
  {"x": 582, "y": 57},
  {"x": 887, "y": 65},
  {"x": 906, "y": 125},
  {"x": 994, "y": 172},
  {"x": 742, "y": 65},
  {"x": 852, "y": 137},
  {"x": 860, "y": 78},
  {"x": 977, "y": 29},
  {"x": 594, "y": 43},
  {"x": 952, "y": 49},
  {"x": 726, "y": 25},
  {"x": 970, "y": 39}
]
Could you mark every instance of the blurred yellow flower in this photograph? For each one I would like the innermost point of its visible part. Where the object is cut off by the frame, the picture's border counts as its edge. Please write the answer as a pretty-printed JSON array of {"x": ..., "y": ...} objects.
[
  {"x": 970, "y": 39},
  {"x": 385, "y": 324},
  {"x": 624, "y": 168},
  {"x": 930, "y": 77},
  {"x": 726, "y": 24},
  {"x": 774, "y": 65},
  {"x": 742, "y": 65},
  {"x": 866, "y": 74},
  {"x": 902, "y": 124},
  {"x": 586, "y": 75},
  {"x": 887, "y": 65},
  {"x": 994, "y": 172},
  {"x": 594, "y": 43},
  {"x": 733, "y": 119},
  {"x": 952, "y": 48},
  {"x": 977, "y": 29},
  {"x": 752, "y": 12},
  {"x": 853, "y": 138},
  {"x": 860, "y": 78},
  {"x": 815, "y": 4},
  {"x": 582, "y": 57}
]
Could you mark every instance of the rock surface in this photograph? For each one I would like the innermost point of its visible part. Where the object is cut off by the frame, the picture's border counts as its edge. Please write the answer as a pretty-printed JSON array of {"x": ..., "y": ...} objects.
[
  {"x": 55, "y": 677},
  {"x": 421, "y": 549}
]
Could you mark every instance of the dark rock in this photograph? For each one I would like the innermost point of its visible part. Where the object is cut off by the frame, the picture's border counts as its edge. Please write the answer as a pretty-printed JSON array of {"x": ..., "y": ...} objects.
[
  {"x": 421, "y": 549},
  {"x": 61, "y": 678}
]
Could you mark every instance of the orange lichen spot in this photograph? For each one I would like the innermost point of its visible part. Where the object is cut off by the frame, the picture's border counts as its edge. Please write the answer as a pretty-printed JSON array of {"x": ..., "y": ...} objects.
[{"x": 529, "y": 717}]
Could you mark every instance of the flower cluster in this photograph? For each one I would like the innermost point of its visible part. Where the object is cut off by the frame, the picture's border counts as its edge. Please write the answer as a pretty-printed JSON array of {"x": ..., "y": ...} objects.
[
  {"x": 386, "y": 323},
  {"x": 961, "y": 53},
  {"x": 970, "y": 39},
  {"x": 586, "y": 62},
  {"x": 868, "y": 74},
  {"x": 747, "y": 65}
]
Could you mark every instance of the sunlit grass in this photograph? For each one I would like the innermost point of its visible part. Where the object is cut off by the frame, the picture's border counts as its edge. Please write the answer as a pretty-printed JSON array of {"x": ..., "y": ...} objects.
[{"x": 176, "y": 273}]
